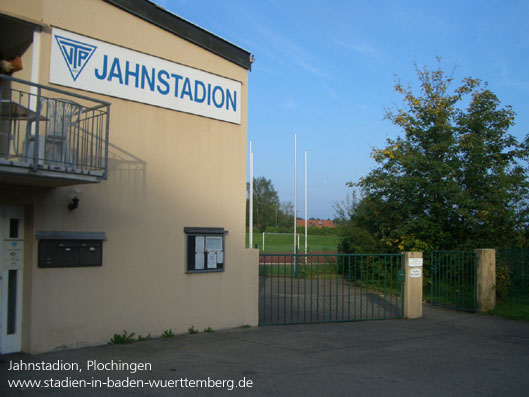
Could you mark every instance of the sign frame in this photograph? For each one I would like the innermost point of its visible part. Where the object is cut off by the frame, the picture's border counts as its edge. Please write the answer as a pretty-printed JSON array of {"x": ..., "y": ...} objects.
[{"x": 88, "y": 64}]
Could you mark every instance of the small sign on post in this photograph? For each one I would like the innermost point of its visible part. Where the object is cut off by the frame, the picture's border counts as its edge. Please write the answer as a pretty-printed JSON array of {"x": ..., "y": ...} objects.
[{"x": 415, "y": 262}]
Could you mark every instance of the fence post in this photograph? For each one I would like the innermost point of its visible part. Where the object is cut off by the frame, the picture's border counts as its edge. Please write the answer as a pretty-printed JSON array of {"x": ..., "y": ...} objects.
[
  {"x": 297, "y": 261},
  {"x": 486, "y": 279},
  {"x": 413, "y": 274}
]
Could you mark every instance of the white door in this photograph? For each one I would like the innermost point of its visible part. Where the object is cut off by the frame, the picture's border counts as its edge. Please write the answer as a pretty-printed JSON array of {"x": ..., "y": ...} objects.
[{"x": 11, "y": 268}]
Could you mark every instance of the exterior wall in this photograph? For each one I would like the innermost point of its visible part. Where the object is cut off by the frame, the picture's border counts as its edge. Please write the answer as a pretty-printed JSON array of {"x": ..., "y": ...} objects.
[
  {"x": 30, "y": 10},
  {"x": 167, "y": 170}
]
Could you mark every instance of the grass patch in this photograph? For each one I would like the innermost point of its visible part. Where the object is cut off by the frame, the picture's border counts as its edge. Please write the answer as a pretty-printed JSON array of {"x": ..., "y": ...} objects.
[
  {"x": 513, "y": 308},
  {"x": 285, "y": 243}
]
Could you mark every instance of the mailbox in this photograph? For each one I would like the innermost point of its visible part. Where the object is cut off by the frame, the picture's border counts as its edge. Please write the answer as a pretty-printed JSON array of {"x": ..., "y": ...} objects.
[{"x": 70, "y": 252}]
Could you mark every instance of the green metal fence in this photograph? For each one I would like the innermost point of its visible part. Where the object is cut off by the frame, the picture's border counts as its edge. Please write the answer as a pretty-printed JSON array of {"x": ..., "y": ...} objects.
[
  {"x": 315, "y": 288},
  {"x": 453, "y": 280}
]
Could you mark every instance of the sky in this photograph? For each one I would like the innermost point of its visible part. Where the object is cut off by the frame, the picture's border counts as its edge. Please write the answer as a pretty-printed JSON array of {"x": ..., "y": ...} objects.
[{"x": 325, "y": 71}]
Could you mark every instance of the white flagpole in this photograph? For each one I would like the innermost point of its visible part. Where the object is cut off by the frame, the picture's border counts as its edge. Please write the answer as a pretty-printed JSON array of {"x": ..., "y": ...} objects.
[
  {"x": 306, "y": 212},
  {"x": 295, "y": 198},
  {"x": 250, "y": 222}
]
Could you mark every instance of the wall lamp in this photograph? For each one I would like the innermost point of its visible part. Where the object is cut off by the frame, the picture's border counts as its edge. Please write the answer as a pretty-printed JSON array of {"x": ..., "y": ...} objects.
[
  {"x": 74, "y": 199},
  {"x": 74, "y": 203}
]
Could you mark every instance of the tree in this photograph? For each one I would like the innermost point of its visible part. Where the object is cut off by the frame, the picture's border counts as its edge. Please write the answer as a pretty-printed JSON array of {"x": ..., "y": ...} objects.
[
  {"x": 265, "y": 203},
  {"x": 455, "y": 179},
  {"x": 268, "y": 212},
  {"x": 494, "y": 182},
  {"x": 285, "y": 217}
]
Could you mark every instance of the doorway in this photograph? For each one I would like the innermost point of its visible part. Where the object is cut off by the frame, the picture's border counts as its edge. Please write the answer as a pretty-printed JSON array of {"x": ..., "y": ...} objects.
[{"x": 11, "y": 275}]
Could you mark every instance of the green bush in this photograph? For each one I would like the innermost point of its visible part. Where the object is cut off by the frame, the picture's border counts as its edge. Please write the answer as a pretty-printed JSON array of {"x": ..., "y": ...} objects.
[
  {"x": 503, "y": 280},
  {"x": 168, "y": 333},
  {"x": 124, "y": 338},
  {"x": 357, "y": 241}
]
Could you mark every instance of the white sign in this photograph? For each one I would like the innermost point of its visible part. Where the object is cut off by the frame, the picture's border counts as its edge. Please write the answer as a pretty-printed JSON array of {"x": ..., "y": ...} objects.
[
  {"x": 13, "y": 255},
  {"x": 415, "y": 262},
  {"x": 415, "y": 272},
  {"x": 81, "y": 62}
]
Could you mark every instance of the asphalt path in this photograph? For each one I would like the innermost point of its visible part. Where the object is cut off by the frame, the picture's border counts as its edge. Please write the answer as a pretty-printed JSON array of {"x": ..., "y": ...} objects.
[
  {"x": 444, "y": 353},
  {"x": 287, "y": 300}
]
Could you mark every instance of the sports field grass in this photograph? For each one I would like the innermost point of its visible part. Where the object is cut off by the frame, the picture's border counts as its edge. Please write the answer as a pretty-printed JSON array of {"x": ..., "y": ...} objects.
[{"x": 285, "y": 243}]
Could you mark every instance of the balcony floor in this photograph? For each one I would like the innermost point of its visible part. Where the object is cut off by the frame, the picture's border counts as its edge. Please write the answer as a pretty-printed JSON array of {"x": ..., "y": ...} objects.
[{"x": 22, "y": 174}]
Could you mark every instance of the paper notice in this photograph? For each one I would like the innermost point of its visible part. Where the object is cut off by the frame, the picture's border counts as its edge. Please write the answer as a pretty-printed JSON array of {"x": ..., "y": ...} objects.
[
  {"x": 213, "y": 243},
  {"x": 199, "y": 261},
  {"x": 212, "y": 260},
  {"x": 199, "y": 244}
]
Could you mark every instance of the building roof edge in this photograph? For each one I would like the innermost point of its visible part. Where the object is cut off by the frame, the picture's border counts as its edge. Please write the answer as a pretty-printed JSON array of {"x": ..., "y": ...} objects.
[{"x": 159, "y": 16}]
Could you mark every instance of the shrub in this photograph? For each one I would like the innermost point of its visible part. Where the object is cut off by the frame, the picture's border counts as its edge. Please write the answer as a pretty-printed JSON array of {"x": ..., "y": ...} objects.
[
  {"x": 168, "y": 333},
  {"x": 503, "y": 280},
  {"x": 124, "y": 338}
]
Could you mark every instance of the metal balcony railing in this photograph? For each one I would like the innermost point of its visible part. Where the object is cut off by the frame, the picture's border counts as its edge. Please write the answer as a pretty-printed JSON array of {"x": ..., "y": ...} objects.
[{"x": 51, "y": 131}]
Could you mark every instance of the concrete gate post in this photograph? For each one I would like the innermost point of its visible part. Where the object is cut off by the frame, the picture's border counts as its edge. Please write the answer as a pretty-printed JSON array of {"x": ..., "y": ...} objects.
[
  {"x": 486, "y": 279},
  {"x": 413, "y": 273}
]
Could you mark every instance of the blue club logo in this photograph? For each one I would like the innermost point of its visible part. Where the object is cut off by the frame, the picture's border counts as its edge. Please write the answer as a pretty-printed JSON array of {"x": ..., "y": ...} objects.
[{"x": 76, "y": 54}]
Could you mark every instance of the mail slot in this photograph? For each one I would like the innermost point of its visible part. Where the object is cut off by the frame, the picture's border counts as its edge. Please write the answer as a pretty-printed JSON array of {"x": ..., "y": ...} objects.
[{"x": 70, "y": 253}]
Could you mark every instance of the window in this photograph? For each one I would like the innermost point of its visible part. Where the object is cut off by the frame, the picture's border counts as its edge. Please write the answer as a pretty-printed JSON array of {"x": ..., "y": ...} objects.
[{"x": 205, "y": 249}]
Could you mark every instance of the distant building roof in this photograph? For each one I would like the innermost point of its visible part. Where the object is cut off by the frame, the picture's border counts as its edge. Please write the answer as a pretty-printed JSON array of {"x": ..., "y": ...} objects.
[{"x": 316, "y": 222}]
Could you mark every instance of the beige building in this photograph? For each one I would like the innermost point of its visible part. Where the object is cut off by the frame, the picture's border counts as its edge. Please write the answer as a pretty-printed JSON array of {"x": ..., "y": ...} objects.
[{"x": 122, "y": 175}]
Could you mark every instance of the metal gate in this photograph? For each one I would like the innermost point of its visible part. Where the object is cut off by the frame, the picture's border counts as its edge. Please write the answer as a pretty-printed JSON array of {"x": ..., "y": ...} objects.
[
  {"x": 453, "y": 280},
  {"x": 316, "y": 288}
]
